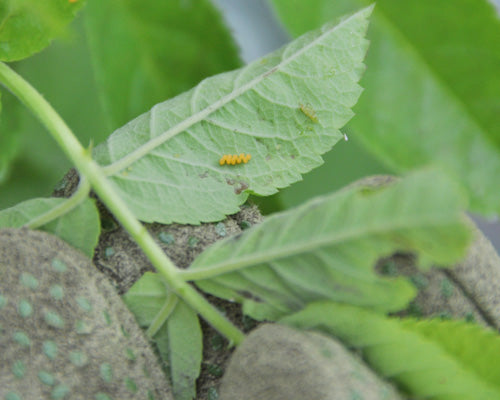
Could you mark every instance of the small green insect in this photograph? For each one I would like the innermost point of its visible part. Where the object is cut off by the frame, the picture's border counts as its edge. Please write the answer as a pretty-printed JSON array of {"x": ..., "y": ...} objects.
[{"x": 309, "y": 112}]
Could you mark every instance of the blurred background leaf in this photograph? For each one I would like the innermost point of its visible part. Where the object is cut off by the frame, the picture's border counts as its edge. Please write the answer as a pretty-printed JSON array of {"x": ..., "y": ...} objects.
[
  {"x": 28, "y": 26},
  {"x": 146, "y": 51}
]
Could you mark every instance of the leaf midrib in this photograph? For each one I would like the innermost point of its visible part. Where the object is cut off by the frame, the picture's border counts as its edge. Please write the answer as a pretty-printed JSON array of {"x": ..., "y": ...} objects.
[
  {"x": 202, "y": 114},
  {"x": 295, "y": 250}
]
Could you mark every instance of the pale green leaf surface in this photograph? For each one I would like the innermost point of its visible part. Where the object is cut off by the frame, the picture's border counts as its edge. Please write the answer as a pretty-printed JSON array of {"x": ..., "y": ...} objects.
[
  {"x": 327, "y": 248},
  {"x": 422, "y": 357},
  {"x": 165, "y": 163},
  {"x": 165, "y": 46},
  {"x": 28, "y": 26},
  {"x": 79, "y": 227},
  {"x": 431, "y": 94},
  {"x": 180, "y": 344},
  {"x": 8, "y": 134},
  {"x": 146, "y": 297}
]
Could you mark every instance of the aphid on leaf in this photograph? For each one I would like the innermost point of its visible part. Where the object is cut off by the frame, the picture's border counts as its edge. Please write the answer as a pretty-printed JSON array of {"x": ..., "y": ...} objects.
[
  {"x": 309, "y": 112},
  {"x": 233, "y": 159}
]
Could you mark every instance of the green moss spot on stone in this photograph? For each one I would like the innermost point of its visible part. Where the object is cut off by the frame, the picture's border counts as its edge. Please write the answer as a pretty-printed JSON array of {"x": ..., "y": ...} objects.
[
  {"x": 109, "y": 252},
  {"x": 107, "y": 317},
  {"x": 445, "y": 315},
  {"x": 82, "y": 327},
  {"x": 22, "y": 338},
  {"x": 59, "y": 266},
  {"x": 354, "y": 395},
  {"x": 151, "y": 396},
  {"x": 46, "y": 378},
  {"x": 193, "y": 241},
  {"x": 212, "y": 394},
  {"x": 57, "y": 292},
  {"x": 84, "y": 303},
  {"x": 220, "y": 229},
  {"x": 50, "y": 349},
  {"x": 245, "y": 225},
  {"x": 102, "y": 396},
  {"x": 146, "y": 372},
  {"x": 414, "y": 309},
  {"x": 108, "y": 224},
  {"x": 124, "y": 332},
  {"x": 217, "y": 342},
  {"x": 28, "y": 280},
  {"x": 469, "y": 317},
  {"x": 129, "y": 353},
  {"x": 12, "y": 396},
  {"x": 53, "y": 319},
  {"x": 106, "y": 372},
  {"x": 25, "y": 309},
  {"x": 419, "y": 281},
  {"x": 166, "y": 238},
  {"x": 3, "y": 301},
  {"x": 78, "y": 358},
  {"x": 59, "y": 392},
  {"x": 131, "y": 385},
  {"x": 446, "y": 288},
  {"x": 215, "y": 370},
  {"x": 18, "y": 369},
  {"x": 389, "y": 268}
]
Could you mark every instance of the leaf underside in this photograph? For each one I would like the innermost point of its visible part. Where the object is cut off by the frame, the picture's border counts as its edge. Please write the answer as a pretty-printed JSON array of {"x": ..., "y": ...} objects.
[
  {"x": 79, "y": 227},
  {"x": 285, "y": 110},
  {"x": 179, "y": 339},
  {"x": 431, "y": 359},
  {"x": 327, "y": 248}
]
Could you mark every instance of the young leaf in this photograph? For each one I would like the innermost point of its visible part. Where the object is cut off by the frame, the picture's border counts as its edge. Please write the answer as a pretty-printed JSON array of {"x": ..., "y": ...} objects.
[
  {"x": 428, "y": 359},
  {"x": 166, "y": 46},
  {"x": 431, "y": 94},
  {"x": 180, "y": 344},
  {"x": 285, "y": 110},
  {"x": 327, "y": 248},
  {"x": 28, "y": 26},
  {"x": 79, "y": 227},
  {"x": 145, "y": 298},
  {"x": 179, "y": 339}
]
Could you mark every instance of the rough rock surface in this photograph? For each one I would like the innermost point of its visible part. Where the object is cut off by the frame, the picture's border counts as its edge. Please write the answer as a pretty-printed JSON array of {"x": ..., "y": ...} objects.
[
  {"x": 276, "y": 362},
  {"x": 64, "y": 331}
]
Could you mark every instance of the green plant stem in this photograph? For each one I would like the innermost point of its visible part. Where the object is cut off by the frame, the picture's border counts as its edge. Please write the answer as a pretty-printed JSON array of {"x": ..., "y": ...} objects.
[
  {"x": 58, "y": 211},
  {"x": 87, "y": 167}
]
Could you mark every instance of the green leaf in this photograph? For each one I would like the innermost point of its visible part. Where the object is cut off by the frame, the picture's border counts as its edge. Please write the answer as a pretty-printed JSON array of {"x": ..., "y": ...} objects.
[
  {"x": 180, "y": 344},
  {"x": 431, "y": 93},
  {"x": 441, "y": 360},
  {"x": 146, "y": 298},
  {"x": 79, "y": 227},
  {"x": 327, "y": 248},
  {"x": 8, "y": 135},
  {"x": 28, "y": 26},
  {"x": 285, "y": 110},
  {"x": 179, "y": 338},
  {"x": 165, "y": 46}
]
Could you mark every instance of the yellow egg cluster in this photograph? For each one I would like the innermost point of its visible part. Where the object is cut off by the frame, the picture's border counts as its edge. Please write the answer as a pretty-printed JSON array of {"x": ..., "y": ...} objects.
[{"x": 232, "y": 159}]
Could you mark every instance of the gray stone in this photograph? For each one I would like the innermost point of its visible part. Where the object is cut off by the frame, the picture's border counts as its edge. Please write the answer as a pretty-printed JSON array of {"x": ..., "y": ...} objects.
[
  {"x": 276, "y": 362},
  {"x": 64, "y": 331}
]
